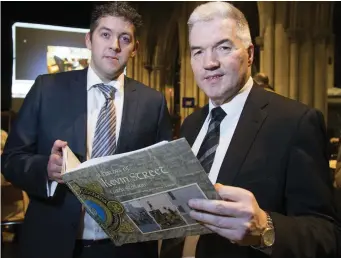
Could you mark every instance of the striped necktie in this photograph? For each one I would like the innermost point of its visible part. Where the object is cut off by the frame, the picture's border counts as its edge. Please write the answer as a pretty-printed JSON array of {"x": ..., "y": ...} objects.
[
  {"x": 210, "y": 143},
  {"x": 174, "y": 247},
  {"x": 104, "y": 143}
]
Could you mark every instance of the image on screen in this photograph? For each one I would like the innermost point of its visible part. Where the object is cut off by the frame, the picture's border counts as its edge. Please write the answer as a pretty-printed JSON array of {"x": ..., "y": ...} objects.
[
  {"x": 63, "y": 59},
  {"x": 42, "y": 49}
]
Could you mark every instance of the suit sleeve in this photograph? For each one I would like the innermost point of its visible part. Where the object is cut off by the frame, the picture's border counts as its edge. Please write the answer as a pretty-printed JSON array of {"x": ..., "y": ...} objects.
[
  {"x": 164, "y": 132},
  {"x": 309, "y": 228},
  {"x": 20, "y": 163}
]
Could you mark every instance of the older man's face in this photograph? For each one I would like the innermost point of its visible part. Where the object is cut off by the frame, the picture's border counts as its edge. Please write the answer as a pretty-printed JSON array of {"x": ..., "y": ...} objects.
[{"x": 219, "y": 60}]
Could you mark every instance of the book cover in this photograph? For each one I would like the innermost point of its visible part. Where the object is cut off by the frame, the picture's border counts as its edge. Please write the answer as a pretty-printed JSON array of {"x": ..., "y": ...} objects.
[{"x": 142, "y": 195}]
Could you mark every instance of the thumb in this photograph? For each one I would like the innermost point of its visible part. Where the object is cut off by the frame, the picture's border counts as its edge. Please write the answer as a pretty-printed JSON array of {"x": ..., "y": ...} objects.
[
  {"x": 57, "y": 146},
  {"x": 230, "y": 193}
]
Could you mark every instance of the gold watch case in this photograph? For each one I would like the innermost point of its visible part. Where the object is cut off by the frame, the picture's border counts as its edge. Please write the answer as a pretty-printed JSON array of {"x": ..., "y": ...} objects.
[{"x": 268, "y": 237}]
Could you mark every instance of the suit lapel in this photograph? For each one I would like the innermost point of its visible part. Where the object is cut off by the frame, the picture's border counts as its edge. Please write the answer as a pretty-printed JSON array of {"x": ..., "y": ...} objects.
[
  {"x": 192, "y": 132},
  {"x": 250, "y": 122},
  {"x": 78, "y": 96},
  {"x": 130, "y": 105}
]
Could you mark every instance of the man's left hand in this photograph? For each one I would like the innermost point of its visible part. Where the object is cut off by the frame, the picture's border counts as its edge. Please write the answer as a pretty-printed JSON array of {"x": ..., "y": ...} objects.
[{"x": 236, "y": 217}]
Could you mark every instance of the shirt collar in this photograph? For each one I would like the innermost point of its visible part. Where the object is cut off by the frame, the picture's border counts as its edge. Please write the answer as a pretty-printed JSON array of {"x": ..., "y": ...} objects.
[
  {"x": 93, "y": 79},
  {"x": 236, "y": 104}
]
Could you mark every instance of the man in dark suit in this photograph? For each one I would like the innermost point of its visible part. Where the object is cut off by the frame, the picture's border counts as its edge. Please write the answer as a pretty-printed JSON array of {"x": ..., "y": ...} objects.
[
  {"x": 96, "y": 112},
  {"x": 265, "y": 154}
]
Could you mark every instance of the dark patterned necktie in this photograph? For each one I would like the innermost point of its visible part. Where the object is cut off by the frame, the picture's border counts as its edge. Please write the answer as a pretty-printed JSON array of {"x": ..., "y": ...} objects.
[
  {"x": 104, "y": 142},
  {"x": 210, "y": 143},
  {"x": 173, "y": 248}
]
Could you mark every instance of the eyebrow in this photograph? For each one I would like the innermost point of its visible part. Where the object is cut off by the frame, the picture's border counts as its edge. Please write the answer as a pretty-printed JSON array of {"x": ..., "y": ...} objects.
[
  {"x": 104, "y": 28},
  {"x": 122, "y": 33},
  {"x": 215, "y": 45},
  {"x": 222, "y": 42}
]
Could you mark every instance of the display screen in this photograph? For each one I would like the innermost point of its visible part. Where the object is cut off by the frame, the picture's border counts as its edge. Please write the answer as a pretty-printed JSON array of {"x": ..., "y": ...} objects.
[{"x": 41, "y": 49}]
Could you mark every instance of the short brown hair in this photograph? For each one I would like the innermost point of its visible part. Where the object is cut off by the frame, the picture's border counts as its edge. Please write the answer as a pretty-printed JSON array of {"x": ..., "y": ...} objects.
[{"x": 116, "y": 9}]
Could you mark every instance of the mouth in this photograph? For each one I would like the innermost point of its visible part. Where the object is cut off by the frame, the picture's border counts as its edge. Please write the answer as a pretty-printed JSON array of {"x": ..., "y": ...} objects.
[
  {"x": 213, "y": 77},
  {"x": 112, "y": 58}
]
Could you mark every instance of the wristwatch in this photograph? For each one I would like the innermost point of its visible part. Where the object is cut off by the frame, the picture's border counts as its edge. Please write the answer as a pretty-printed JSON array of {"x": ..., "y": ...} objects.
[{"x": 268, "y": 234}]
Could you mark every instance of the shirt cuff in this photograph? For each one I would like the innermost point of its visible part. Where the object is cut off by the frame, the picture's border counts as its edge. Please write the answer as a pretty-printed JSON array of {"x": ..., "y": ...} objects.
[{"x": 51, "y": 188}]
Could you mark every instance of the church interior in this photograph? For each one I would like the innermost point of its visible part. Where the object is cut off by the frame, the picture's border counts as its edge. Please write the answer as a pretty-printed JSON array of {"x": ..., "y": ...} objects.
[{"x": 296, "y": 48}]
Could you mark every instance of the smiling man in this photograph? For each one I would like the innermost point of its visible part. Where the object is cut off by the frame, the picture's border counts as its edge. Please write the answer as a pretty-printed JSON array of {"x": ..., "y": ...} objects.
[
  {"x": 265, "y": 153},
  {"x": 97, "y": 112}
]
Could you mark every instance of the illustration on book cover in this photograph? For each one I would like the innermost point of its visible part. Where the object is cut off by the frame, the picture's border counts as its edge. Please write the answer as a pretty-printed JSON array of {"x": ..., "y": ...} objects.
[{"x": 108, "y": 213}]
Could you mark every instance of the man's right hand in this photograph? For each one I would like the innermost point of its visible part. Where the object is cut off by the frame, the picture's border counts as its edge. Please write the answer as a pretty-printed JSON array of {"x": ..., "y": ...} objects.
[{"x": 54, "y": 167}]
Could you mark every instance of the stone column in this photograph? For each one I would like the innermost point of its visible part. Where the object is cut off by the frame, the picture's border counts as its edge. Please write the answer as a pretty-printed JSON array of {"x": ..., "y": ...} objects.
[
  {"x": 136, "y": 67},
  {"x": 306, "y": 70},
  {"x": 260, "y": 43},
  {"x": 293, "y": 63},
  {"x": 130, "y": 68},
  {"x": 147, "y": 75},
  {"x": 330, "y": 61},
  {"x": 156, "y": 78},
  {"x": 281, "y": 71},
  {"x": 320, "y": 64},
  {"x": 202, "y": 98},
  {"x": 188, "y": 87},
  {"x": 268, "y": 63}
]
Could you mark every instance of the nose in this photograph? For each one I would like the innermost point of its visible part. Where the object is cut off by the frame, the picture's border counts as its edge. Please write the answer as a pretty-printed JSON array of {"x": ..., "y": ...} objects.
[
  {"x": 210, "y": 61},
  {"x": 115, "y": 45}
]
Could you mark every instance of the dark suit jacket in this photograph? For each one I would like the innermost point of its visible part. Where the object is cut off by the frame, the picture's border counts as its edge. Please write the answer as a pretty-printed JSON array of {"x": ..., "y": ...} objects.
[
  {"x": 56, "y": 108},
  {"x": 278, "y": 152}
]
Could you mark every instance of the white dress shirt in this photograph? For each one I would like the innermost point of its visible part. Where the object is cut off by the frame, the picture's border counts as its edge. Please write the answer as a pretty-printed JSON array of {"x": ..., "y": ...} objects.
[
  {"x": 91, "y": 230},
  {"x": 233, "y": 110}
]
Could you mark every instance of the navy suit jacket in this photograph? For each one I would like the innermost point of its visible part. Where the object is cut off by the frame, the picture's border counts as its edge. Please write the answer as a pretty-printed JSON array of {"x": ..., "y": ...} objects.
[
  {"x": 279, "y": 153},
  {"x": 56, "y": 108}
]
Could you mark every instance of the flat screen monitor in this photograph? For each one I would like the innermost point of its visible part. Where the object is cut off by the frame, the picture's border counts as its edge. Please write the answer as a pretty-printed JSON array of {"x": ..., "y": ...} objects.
[{"x": 42, "y": 49}]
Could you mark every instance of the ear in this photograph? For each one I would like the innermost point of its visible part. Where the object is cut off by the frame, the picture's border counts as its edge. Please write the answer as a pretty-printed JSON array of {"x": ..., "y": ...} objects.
[
  {"x": 88, "y": 40},
  {"x": 136, "y": 47},
  {"x": 250, "y": 52}
]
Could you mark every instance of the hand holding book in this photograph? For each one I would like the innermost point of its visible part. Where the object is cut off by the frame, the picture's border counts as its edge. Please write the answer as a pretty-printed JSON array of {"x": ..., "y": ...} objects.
[
  {"x": 141, "y": 195},
  {"x": 54, "y": 166}
]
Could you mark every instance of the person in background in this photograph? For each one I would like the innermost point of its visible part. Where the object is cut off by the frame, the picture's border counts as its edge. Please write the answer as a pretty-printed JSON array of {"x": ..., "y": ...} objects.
[
  {"x": 4, "y": 136},
  {"x": 263, "y": 80},
  {"x": 97, "y": 112},
  {"x": 337, "y": 172},
  {"x": 13, "y": 201}
]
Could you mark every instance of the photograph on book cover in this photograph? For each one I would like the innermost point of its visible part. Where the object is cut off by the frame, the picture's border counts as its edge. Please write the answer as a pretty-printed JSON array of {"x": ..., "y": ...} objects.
[
  {"x": 163, "y": 211},
  {"x": 180, "y": 197},
  {"x": 141, "y": 218}
]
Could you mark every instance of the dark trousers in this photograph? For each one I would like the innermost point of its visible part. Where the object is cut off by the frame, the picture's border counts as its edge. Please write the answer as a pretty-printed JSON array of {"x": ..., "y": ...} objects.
[{"x": 105, "y": 249}]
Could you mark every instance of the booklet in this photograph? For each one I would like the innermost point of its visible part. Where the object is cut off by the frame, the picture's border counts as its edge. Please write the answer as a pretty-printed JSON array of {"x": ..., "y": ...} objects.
[{"x": 141, "y": 195}]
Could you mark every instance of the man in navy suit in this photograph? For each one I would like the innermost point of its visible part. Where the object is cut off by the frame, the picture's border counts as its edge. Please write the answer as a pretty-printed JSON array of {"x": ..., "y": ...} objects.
[
  {"x": 97, "y": 111},
  {"x": 265, "y": 153}
]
